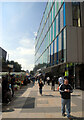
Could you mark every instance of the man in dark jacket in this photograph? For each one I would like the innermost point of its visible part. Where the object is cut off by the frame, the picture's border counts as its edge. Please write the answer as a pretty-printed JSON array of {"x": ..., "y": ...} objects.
[{"x": 66, "y": 90}]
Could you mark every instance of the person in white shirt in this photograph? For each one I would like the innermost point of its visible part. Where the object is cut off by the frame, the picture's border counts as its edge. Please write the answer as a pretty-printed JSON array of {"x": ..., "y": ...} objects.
[{"x": 60, "y": 80}]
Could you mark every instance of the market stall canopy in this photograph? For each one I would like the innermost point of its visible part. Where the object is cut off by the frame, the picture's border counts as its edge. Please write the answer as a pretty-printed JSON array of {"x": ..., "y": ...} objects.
[{"x": 10, "y": 66}]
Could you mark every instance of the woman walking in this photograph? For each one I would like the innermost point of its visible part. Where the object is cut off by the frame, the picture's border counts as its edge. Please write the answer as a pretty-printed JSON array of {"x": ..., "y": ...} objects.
[{"x": 40, "y": 86}]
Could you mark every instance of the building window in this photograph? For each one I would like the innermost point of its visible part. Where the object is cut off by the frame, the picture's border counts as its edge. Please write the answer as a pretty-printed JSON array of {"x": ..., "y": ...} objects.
[
  {"x": 53, "y": 51},
  {"x": 50, "y": 54},
  {"x": 51, "y": 16},
  {"x": 76, "y": 14},
  {"x": 59, "y": 22},
  {"x": 52, "y": 33},
  {"x": 49, "y": 36},
  {"x": 60, "y": 42},
  {"x": 55, "y": 28},
  {"x": 57, "y": 3},
  {"x": 62, "y": 55},
  {"x": 64, "y": 34},
  {"x": 60, "y": 48},
  {"x": 54, "y": 10},
  {"x": 57, "y": 50},
  {"x": 57, "y": 25},
  {"x": 61, "y": 19},
  {"x": 64, "y": 16}
]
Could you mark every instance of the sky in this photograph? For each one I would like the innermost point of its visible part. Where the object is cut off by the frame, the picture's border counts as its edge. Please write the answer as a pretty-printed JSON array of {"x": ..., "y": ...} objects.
[{"x": 20, "y": 22}]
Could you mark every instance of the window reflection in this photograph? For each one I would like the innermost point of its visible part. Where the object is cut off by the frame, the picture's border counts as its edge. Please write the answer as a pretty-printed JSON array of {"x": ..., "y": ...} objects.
[{"x": 76, "y": 14}]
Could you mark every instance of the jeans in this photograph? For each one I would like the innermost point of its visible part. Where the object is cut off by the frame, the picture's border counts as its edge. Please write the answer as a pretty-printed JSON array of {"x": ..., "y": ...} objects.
[
  {"x": 67, "y": 103},
  {"x": 40, "y": 90}
]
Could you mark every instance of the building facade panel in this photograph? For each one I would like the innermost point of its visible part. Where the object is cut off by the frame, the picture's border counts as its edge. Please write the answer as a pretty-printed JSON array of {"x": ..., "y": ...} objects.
[
  {"x": 83, "y": 44},
  {"x": 80, "y": 47},
  {"x": 72, "y": 44},
  {"x": 68, "y": 13}
]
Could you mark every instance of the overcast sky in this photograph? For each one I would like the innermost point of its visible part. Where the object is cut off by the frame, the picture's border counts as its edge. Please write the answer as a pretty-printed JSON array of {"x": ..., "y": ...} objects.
[{"x": 20, "y": 22}]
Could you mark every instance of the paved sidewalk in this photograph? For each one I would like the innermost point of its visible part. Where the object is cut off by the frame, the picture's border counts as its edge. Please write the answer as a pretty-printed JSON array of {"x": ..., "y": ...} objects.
[{"x": 31, "y": 105}]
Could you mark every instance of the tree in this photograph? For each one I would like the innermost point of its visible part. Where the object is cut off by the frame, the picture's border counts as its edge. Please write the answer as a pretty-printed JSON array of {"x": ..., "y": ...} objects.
[{"x": 17, "y": 66}]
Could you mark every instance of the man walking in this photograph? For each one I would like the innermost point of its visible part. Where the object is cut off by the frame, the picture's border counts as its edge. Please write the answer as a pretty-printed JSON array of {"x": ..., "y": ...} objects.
[{"x": 65, "y": 90}]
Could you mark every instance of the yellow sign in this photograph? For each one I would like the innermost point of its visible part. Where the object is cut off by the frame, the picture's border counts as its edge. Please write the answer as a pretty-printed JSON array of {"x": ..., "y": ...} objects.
[{"x": 66, "y": 73}]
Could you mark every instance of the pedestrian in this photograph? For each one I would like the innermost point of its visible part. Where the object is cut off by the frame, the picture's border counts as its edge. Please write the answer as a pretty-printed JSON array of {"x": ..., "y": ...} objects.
[
  {"x": 65, "y": 91},
  {"x": 60, "y": 80},
  {"x": 12, "y": 84},
  {"x": 40, "y": 86},
  {"x": 53, "y": 84},
  {"x": 48, "y": 80}
]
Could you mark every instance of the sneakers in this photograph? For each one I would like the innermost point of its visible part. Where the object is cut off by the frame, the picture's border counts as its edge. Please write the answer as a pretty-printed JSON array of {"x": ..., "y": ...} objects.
[
  {"x": 69, "y": 117},
  {"x": 63, "y": 114}
]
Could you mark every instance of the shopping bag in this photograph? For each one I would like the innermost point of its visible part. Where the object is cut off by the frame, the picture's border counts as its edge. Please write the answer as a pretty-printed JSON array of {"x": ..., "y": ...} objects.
[{"x": 58, "y": 88}]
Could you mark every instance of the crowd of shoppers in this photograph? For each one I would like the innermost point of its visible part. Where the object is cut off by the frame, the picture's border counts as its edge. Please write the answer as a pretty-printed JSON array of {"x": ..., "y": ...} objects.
[{"x": 11, "y": 83}]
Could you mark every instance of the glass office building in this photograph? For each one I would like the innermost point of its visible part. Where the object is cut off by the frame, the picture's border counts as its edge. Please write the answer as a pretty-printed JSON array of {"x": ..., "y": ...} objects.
[
  {"x": 59, "y": 40},
  {"x": 50, "y": 45}
]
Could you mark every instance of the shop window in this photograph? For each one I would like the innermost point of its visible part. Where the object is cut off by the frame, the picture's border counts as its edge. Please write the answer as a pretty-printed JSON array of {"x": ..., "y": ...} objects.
[{"x": 76, "y": 14}]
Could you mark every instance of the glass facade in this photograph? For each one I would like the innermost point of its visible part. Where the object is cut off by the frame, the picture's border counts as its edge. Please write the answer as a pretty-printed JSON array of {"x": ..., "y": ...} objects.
[{"x": 50, "y": 42}]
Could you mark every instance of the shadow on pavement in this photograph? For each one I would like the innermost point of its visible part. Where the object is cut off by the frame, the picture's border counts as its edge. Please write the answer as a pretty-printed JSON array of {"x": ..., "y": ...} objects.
[
  {"x": 21, "y": 103},
  {"x": 8, "y": 110},
  {"x": 75, "y": 95},
  {"x": 18, "y": 102},
  {"x": 51, "y": 96}
]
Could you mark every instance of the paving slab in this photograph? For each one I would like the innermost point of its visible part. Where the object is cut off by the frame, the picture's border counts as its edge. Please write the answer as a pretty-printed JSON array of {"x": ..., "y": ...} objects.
[{"x": 30, "y": 104}]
